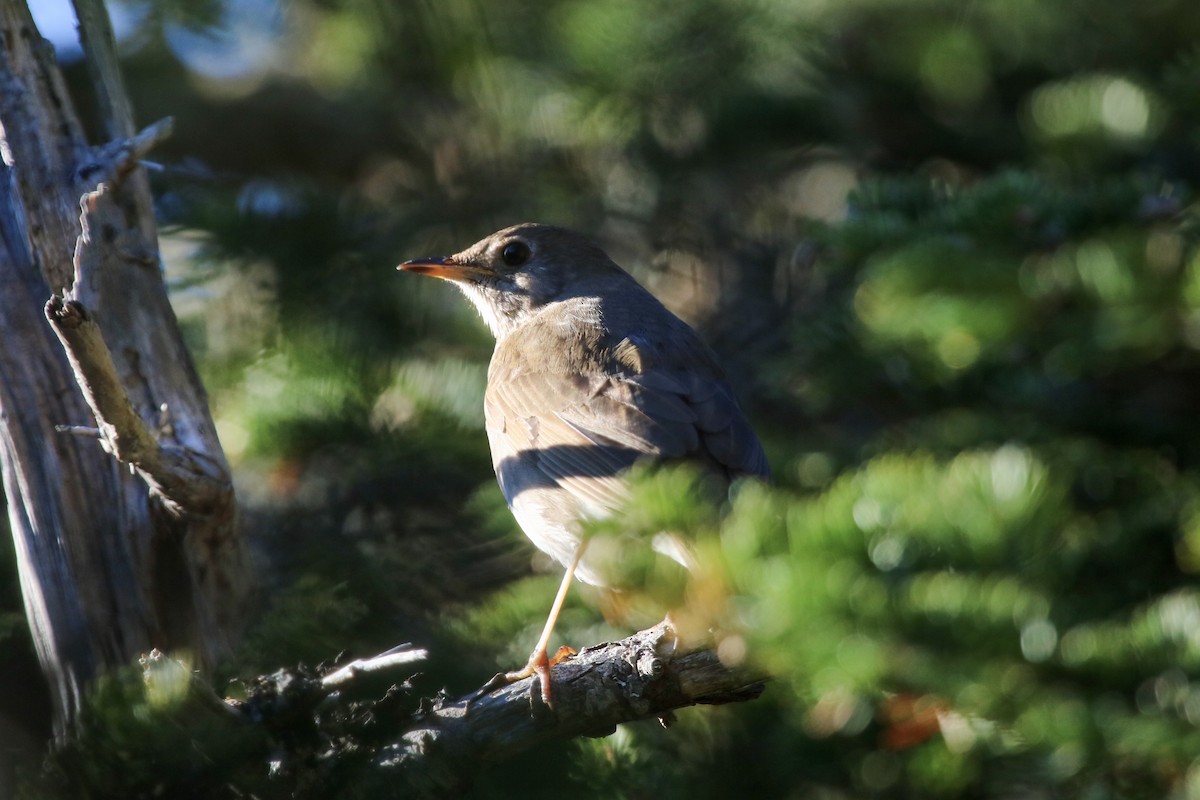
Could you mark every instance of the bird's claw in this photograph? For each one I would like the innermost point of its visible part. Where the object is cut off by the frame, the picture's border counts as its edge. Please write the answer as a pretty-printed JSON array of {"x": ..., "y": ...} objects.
[
  {"x": 497, "y": 681},
  {"x": 539, "y": 665}
]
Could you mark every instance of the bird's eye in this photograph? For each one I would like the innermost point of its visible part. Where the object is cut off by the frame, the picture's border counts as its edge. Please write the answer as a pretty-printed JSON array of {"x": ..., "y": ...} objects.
[{"x": 515, "y": 253}]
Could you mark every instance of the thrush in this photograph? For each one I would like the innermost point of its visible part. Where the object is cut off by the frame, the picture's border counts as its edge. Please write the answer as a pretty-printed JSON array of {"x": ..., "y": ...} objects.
[{"x": 590, "y": 374}]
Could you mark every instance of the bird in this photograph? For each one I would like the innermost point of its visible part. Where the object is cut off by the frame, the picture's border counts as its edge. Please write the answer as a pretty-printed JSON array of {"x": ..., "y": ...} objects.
[{"x": 590, "y": 374}]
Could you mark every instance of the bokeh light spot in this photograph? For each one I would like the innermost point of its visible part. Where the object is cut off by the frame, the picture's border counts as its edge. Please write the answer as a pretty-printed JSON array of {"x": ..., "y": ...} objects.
[
  {"x": 1109, "y": 106},
  {"x": 1038, "y": 640},
  {"x": 958, "y": 349},
  {"x": 1010, "y": 470},
  {"x": 954, "y": 68},
  {"x": 1124, "y": 108},
  {"x": 1102, "y": 273}
]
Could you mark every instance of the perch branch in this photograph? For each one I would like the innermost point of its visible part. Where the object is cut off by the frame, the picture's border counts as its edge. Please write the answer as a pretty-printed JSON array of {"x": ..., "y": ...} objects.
[
  {"x": 436, "y": 748},
  {"x": 641, "y": 677}
]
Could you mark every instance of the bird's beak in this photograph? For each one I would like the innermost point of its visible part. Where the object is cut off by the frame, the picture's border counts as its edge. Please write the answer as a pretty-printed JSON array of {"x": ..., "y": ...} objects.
[{"x": 446, "y": 268}]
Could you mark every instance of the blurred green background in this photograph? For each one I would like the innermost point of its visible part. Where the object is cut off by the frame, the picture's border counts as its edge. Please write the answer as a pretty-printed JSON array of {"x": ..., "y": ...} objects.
[{"x": 947, "y": 251}]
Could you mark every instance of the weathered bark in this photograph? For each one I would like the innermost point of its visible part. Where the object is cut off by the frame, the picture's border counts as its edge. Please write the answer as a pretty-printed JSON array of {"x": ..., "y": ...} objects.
[
  {"x": 644, "y": 676},
  {"x": 321, "y": 725},
  {"x": 112, "y": 560}
]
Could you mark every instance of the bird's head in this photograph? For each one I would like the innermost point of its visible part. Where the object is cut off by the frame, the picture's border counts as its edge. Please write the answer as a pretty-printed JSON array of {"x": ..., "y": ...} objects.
[{"x": 515, "y": 271}]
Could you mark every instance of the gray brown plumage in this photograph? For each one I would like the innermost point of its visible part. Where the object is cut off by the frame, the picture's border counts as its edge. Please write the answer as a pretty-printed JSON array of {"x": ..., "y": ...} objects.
[{"x": 590, "y": 374}]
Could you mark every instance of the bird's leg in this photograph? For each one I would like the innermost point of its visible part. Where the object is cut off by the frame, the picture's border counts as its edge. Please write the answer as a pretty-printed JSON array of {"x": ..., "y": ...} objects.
[{"x": 539, "y": 661}]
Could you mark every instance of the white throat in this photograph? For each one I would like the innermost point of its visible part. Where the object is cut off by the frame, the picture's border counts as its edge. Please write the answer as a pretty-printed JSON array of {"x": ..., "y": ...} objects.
[{"x": 500, "y": 320}]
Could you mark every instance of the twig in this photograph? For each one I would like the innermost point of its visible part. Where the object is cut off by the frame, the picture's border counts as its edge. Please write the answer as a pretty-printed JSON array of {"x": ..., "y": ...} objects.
[
  {"x": 397, "y": 656},
  {"x": 112, "y": 162},
  {"x": 79, "y": 430}
]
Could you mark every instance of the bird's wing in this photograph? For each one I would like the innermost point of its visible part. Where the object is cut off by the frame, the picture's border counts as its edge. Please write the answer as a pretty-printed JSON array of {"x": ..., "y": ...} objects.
[{"x": 581, "y": 432}]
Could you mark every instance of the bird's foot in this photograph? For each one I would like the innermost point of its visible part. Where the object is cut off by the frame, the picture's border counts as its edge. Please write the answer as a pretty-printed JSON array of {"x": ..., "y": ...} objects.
[{"x": 539, "y": 664}]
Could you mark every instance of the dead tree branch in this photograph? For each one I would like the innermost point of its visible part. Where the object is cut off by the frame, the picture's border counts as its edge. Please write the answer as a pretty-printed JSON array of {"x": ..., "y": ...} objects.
[
  {"x": 364, "y": 727},
  {"x": 186, "y": 480},
  {"x": 642, "y": 677}
]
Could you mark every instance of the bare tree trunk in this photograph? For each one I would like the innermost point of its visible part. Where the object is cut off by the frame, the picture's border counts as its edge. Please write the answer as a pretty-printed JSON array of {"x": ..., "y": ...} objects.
[{"x": 125, "y": 535}]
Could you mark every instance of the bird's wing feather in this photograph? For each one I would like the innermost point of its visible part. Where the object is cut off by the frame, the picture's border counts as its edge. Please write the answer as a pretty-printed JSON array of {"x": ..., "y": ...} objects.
[{"x": 581, "y": 432}]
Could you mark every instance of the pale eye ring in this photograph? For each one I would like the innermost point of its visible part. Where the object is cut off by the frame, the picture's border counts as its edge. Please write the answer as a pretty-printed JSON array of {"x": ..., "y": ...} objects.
[{"x": 515, "y": 253}]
